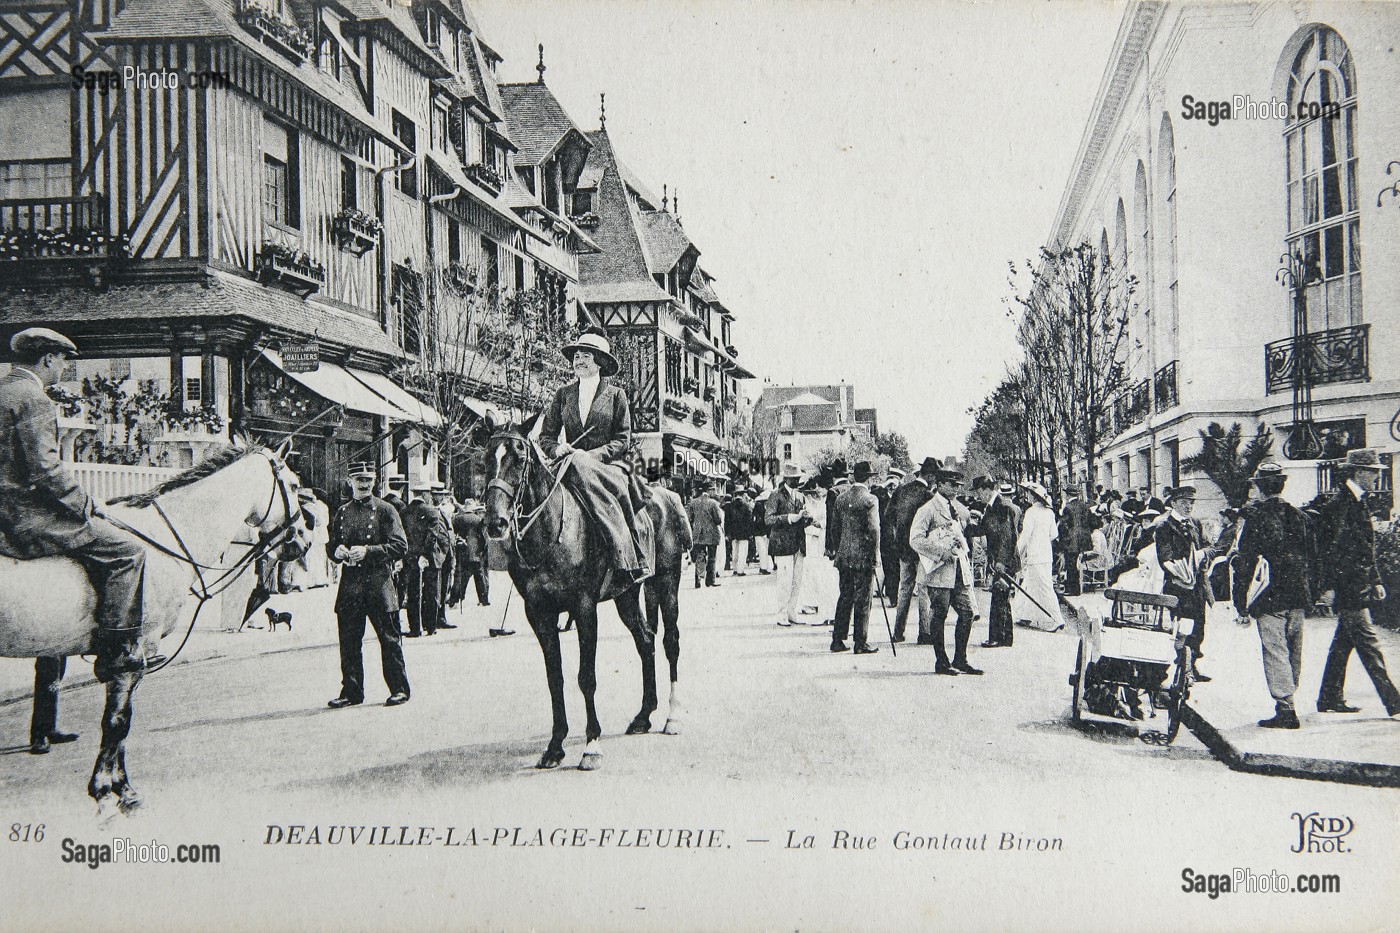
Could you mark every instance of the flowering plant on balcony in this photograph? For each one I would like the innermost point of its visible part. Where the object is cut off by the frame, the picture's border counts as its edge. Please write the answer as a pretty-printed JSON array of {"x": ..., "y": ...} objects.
[
  {"x": 586, "y": 221},
  {"x": 278, "y": 264},
  {"x": 709, "y": 395},
  {"x": 285, "y": 36},
  {"x": 356, "y": 231},
  {"x": 485, "y": 175},
  {"x": 676, "y": 408},
  {"x": 187, "y": 419},
  {"x": 687, "y": 319},
  {"x": 691, "y": 385},
  {"x": 699, "y": 417},
  {"x": 731, "y": 349},
  {"x": 60, "y": 241}
]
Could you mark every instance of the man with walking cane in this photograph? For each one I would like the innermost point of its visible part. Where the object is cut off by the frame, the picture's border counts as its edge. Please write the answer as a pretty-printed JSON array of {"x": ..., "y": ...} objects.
[{"x": 944, "y": 569}]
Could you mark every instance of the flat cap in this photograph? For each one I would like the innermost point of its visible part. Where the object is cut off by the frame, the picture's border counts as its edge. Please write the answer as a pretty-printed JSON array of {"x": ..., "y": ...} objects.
[{"x": 41, "y": 340}]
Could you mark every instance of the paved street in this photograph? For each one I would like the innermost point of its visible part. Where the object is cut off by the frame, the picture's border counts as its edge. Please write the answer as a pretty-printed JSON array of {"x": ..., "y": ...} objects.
[{"x": 779, "y": 735}]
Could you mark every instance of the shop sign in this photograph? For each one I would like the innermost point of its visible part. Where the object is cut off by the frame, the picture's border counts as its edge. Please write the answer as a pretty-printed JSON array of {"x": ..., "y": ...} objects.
[{"x": 301, "y": 356}]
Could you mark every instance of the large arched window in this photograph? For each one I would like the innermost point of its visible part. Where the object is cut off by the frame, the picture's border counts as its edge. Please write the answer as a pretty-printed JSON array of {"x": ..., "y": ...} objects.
[
  {"x": 1166, "y": 194},
  {"x": 1120, "y": 237},
  {"x": 1323, "y": 213}
]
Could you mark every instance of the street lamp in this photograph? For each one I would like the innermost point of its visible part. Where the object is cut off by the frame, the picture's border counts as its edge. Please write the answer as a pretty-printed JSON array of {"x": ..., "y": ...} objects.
[{"x": 1299, "y": 270}]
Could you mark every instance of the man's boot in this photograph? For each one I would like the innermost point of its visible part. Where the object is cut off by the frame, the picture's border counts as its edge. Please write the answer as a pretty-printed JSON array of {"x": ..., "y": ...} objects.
[{"x": 121, "y": 652}]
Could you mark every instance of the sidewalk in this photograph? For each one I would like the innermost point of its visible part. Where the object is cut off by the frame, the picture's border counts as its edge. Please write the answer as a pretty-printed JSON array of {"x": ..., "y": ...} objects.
[{"x": 1362, "y": 746}]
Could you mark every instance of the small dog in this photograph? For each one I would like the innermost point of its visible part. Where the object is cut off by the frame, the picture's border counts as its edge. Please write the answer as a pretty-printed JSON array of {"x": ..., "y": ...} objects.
[{"x": 275, "y": 618}]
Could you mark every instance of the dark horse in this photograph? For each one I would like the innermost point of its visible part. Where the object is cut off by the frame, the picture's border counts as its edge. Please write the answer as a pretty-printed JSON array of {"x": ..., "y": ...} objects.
[{"x": 556, "y": 565}]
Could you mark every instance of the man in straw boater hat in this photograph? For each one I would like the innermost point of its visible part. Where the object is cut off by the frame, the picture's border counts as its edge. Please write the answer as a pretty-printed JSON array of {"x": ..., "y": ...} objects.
[
  {"x": 45, "y": 513},
  {"x": 592, "y": 419},
  {"x": 1184, "y": 556},
  {"x": 1349, "y": 571},
  {"x": 367, "y": 538},
  {"x": 788, "y": 516},
  {"x": 1271, "y": 587}
]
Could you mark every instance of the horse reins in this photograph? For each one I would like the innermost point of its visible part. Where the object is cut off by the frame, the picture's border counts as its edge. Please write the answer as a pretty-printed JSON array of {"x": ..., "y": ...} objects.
[
  {"x": 228, "y": 575},
  {"x": 516, "y": 492}
]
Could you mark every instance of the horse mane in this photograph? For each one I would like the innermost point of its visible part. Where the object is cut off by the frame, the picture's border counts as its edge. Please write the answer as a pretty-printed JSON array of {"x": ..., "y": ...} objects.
[{"x": 226, "y": 455}]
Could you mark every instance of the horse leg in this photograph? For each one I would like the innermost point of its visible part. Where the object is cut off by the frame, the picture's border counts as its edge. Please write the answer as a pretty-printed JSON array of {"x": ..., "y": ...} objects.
[
  {"x": 643, "y": 636},
  {"x": 586, "y": 615},
  {"x": 109, "y": 785},
  {"x": 668, "y": 586},
  {"x": 545, "y": 624}
]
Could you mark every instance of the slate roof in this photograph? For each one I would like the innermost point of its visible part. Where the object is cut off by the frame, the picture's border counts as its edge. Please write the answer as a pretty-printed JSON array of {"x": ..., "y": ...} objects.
[
  {"x": 805, "y": 399},
  {"x": 700, "y": 285},
  {"x": 538, "y": 123},
  {"x": 226, "y": 296},
  {"x": 603, "y": 292},
  {"x": 666, "y": 243},
  {"x": 622, "y": 259}
]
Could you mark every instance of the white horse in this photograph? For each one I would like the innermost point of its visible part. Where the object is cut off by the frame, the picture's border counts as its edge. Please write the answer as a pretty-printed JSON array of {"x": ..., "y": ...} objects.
[{"x": 47, "y": 604}]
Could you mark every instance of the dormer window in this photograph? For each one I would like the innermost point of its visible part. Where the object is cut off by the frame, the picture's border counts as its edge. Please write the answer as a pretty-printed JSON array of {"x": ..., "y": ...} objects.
[
  {"x": 583, "y": 203},
  {"x": 439, "y": 131},
  {"x": 433, "y": 26}
]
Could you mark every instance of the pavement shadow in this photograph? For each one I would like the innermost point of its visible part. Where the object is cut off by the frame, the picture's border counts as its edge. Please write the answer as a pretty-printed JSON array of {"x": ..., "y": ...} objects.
[
  {"x": 444, "y": 768},
  {"x": 301, "y": 713}
]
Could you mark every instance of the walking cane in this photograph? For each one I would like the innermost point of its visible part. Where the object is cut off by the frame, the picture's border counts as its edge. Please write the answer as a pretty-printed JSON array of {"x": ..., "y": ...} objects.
[
  {"x": 886, "y": 612},
  {"x": 1034, "y": 601}
]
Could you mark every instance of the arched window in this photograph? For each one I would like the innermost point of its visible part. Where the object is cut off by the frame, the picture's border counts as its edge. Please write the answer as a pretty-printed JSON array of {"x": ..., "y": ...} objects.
[
  {"x": 1323, "y": 213},
  {"x": 1120, "y": 237},
  {"x": 1166, "y": 194},
  {"x": 1104, "y": 255},
  {"x": 1142, "y": 314}
]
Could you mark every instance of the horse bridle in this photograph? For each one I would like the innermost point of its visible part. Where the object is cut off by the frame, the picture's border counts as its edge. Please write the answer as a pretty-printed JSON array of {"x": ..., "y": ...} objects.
[{"x": 515, "y": 492}]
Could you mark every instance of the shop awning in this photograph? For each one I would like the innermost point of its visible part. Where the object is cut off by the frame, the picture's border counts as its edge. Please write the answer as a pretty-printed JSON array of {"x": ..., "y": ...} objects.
[
  {"x": 480, "y": 408},
  {"x": 399, "y": 397},
  {"x": 334, "y": 384}
]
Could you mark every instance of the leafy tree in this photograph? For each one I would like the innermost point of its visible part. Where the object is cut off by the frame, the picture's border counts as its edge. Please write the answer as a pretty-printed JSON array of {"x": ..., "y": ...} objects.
[
  {"x": 895, "y": 446},
  {"x": 1220, "y": 459}
]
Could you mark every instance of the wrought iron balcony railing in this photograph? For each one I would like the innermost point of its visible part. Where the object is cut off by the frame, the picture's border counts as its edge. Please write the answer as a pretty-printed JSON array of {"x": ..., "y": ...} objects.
[
  {"x": 1164, "y": 387},
  {"x": 1141, "y": 405},
  {"x": 1320, "y": 358}
]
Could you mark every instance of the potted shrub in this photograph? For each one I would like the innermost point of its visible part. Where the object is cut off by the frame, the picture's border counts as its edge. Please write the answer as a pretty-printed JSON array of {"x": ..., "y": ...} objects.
[{"x": 356, "y": 231}]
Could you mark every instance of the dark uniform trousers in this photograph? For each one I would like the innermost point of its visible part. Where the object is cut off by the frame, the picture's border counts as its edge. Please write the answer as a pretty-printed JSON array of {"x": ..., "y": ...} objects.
[
  {"x": 424, "y": 592},
  {"x": 854, "y": 600},
  {"x": 367, "y": 592}
]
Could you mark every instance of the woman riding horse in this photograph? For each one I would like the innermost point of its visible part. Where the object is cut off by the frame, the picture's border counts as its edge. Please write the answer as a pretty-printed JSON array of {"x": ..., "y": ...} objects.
[{"x": 591, "y": 419}]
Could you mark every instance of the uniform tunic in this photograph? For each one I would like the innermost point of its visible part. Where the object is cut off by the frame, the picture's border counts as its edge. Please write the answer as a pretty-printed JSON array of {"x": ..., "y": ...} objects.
[{"x": 367, "y": 590}]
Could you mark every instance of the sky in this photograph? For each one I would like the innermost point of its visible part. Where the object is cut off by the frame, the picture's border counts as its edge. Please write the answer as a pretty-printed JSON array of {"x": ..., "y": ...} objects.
[{"x": 856, "y": 175}]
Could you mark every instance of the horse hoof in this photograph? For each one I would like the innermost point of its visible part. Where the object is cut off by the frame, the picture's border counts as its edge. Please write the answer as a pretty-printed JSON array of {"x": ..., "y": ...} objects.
[
  {"x": 639, "y": 726},
  {"x": 550, "y": 759},
  {"x": 591, "y": 761},
  {"x": 130, "y": 802},
  {"x": 673, "y": 727},
  {"x": 108, "y": 808}
]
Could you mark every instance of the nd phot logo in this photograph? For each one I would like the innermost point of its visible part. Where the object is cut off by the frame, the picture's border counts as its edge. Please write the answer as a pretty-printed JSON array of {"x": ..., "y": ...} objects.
[{"x": 1322, "y": 834}]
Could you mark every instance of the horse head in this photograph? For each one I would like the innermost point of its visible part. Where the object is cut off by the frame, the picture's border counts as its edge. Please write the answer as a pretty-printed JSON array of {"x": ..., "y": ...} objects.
[
  {"x": 508, "y": 457},
  {"x": 284, "y": 517}
]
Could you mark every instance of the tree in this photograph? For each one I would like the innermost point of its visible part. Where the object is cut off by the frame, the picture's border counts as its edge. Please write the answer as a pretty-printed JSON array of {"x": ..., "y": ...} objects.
[
  {"x": 1074, "y": 314},
  {"x": 480, "y": 342},
  {"x": 1221, "y": 460},
  {"x": 895, "y": 446},
  {"x": 852, "y": 453}
]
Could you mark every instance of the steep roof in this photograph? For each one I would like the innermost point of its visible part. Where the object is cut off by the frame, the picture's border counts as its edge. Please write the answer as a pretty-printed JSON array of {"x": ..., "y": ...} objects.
[
  {"x": 538, "y": 123},
  {"x": 805, "y": 399},
  {"x": 666, "y": 243},
  {"x": 622, "y": 259}
]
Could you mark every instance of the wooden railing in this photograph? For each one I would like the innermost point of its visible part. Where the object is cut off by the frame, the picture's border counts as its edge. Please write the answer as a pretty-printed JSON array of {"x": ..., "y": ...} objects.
[{"x": 33, "y": 214}]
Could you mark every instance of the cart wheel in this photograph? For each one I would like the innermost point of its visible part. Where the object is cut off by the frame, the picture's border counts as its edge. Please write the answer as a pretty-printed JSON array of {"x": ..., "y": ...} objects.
[
  {"x": 1075, "y": 712},
  {"x": 1180, "y": 690}
]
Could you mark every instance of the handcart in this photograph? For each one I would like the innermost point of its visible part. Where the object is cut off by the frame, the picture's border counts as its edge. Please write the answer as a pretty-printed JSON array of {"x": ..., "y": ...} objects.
[{"x": 1135, "y": 655}]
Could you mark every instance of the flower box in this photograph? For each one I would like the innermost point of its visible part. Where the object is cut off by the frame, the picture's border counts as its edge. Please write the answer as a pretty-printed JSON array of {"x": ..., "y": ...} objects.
[
  {"x": 731, "y": 350},
  {"x": 355, "y": 231},
  {"x": 691, "y": 385},
  {"x": 586, "y": 221},
  {"x": 285, "y": 37},
  {"x": 459, "y": 278},
  {"x": 699, "y": 417},
  {"x": 675, "y": 408},
  {"x": 709, "y": 395},
  {"x": 283, "y": 266},
  {"x": 485, "y": 176},
  {"x": 687, "y": 319},
  {"x": 64, "y": 242}
]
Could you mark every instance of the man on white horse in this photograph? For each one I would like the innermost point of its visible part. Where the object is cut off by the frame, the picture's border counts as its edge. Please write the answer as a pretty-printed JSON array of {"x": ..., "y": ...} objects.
[{"x": 44, "y": 512}]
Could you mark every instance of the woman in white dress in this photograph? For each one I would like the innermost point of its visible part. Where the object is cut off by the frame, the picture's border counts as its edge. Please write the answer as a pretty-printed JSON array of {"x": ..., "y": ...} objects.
[{"x": 1035, "y": 547}]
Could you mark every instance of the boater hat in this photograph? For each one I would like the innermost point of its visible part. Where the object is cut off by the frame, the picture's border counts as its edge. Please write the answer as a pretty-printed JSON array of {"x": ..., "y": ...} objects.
[
  {"x": 598, "y": 345},
  {"x": 1268, "y": 469}
]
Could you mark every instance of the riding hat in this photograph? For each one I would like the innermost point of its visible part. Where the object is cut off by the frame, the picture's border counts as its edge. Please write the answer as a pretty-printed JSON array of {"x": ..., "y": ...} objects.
[
  {"x": 598, "y": 345},
  {"x": 361, "y": 468},
  {"x": 41, "y": 340}
]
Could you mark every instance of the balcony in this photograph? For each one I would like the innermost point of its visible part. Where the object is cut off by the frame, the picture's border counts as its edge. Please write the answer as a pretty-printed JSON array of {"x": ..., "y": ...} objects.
[
  {"x": 1320, "y": 358},
  {"x": 1140, "y": 405},
  {"x": 282, "y": 35},
  {"x": 487, "y": 177},
  {"x": 1164, "y": 388},
  {"x": 290, "y": 269},
  {"x": 57, "y": 228},
  {"x": 355, "y": 231}
]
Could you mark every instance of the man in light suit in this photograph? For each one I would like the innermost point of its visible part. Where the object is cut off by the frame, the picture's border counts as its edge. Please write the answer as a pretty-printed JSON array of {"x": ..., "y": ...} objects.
[
  {"x": 858, "y": 515},
  {"x": 937, "y": 536},
  {"x": 787, "y": 517}
]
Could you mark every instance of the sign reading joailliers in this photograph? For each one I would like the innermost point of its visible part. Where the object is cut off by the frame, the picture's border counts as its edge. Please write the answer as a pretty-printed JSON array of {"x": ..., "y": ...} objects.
[{"x": 301, "y": 356}]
